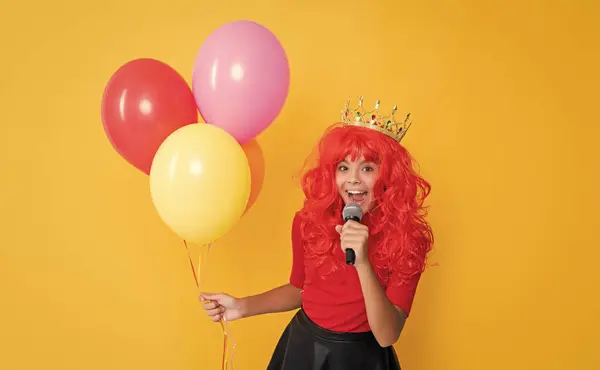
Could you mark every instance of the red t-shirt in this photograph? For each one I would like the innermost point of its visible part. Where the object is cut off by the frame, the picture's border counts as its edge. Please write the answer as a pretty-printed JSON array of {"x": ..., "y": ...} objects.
[{"x": 336, "y": 302}]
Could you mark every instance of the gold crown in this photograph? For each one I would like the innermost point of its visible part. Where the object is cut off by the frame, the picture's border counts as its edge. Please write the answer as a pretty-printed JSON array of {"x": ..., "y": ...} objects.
[{"x": 372, "y": 119}]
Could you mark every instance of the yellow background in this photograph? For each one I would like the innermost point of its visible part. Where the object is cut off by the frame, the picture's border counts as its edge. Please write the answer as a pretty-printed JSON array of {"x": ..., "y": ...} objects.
[{"x": 505, "y": 101}]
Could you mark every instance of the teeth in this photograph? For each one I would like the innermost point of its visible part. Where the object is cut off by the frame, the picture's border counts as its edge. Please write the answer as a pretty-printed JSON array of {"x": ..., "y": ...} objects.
[{"x": 356, "y": 192}]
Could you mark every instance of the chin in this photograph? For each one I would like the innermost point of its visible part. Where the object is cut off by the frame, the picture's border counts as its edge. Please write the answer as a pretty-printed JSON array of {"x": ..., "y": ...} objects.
[{"x": 366, "y": 208}]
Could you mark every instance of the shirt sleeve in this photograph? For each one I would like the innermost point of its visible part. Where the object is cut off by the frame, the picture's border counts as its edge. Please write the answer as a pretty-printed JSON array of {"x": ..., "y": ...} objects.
[
  {"x": 402, "y": 294},
  {"x": 297, "y": 274}
]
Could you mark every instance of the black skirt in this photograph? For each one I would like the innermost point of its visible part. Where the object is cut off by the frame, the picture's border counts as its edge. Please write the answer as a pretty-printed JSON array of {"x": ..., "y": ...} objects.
[{"x": 306, "y": 346}]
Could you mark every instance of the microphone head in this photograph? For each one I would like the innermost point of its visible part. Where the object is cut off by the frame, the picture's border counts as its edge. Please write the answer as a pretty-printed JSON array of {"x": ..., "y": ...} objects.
[{"x": 352, "y": 211}]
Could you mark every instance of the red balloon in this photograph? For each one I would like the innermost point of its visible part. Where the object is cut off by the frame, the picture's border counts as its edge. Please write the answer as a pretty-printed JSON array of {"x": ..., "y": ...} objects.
[
  {"x": 143, "y": 103},
  {"x": 256, "y": 160}
]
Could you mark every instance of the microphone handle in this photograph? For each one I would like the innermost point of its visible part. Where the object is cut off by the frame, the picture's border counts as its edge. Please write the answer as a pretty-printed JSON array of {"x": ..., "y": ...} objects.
[{"x": 350, "y": 256}]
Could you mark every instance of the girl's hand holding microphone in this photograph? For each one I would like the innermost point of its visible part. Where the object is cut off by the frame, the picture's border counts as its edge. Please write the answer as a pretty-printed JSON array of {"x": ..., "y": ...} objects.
[{"x": 222, "y": 306}]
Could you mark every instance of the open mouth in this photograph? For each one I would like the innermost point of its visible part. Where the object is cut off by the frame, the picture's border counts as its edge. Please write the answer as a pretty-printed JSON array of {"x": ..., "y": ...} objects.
[{"x": 356, "y": 196}]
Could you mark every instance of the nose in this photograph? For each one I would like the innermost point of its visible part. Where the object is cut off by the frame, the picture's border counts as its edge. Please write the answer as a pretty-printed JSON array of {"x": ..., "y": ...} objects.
[{"x": 353, "y": 177}]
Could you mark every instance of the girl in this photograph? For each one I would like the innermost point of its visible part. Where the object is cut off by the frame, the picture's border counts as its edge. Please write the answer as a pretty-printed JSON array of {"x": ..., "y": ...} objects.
[{"x": 350, "y": 315}]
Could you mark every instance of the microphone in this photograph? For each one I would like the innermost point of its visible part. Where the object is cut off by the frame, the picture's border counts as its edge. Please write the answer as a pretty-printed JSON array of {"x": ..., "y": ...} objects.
[{"x": 352, "y": 211}]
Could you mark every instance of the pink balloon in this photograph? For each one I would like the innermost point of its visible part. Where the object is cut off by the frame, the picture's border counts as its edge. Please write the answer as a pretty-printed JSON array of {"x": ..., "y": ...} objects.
[{"x": 241, "y": 79}]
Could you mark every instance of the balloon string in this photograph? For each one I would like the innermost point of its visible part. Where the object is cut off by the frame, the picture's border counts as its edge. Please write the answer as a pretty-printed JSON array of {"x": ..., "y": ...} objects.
[
  {"x": 191, "y": 264},
  {"x": 233, "y": 344},
  {"x": 226, "y": 363}
]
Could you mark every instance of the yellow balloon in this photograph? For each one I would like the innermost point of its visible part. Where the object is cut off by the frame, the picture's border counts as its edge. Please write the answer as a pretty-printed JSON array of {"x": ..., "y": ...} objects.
[{"x": 200, "y": 182}]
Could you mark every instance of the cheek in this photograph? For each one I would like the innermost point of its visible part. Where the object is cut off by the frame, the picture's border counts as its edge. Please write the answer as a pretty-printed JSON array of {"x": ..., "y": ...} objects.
[
  {"x": 370, "y": 181},
  {"x": 339, "y": 181}
]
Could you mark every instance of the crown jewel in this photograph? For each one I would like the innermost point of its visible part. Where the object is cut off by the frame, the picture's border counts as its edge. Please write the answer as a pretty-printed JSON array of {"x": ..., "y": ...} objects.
[{"x": 372, "y": 119}]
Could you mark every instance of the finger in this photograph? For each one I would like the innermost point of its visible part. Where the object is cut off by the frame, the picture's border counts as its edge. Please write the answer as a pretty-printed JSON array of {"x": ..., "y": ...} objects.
[
  {"x": 353, "y": 237},
  {"x": 210, "y": 297},
  {"x": 349, "y": 244},
  {"x": 351, "y": 225},
  {"x": 209, "y": 305},
  {"x": 204, "y": 297},
  {"x": 217, "y": 317},
  {"x": 338, "y": 228},
  {"x": 215, "y": 311},
  {"x": 347, "y": 225},
  {"x": 351, "y": 231},
  {"x": 346, "y": 229},
  {"x": 352, "y": 242}
]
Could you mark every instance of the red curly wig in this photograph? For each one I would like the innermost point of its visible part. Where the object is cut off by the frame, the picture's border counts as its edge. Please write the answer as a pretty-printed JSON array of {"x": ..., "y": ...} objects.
[{"x": 399, "y": 232}]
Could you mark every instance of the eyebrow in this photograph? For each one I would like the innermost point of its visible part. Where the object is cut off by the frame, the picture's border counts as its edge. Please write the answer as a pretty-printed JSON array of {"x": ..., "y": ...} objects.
[{"x": 362, "y": 162}]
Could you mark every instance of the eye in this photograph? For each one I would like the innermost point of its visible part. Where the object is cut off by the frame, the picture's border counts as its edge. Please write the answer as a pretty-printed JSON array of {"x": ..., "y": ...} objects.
[
  {"x": 368, "y": 168},
  {"x": 342, "y": 168}
]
